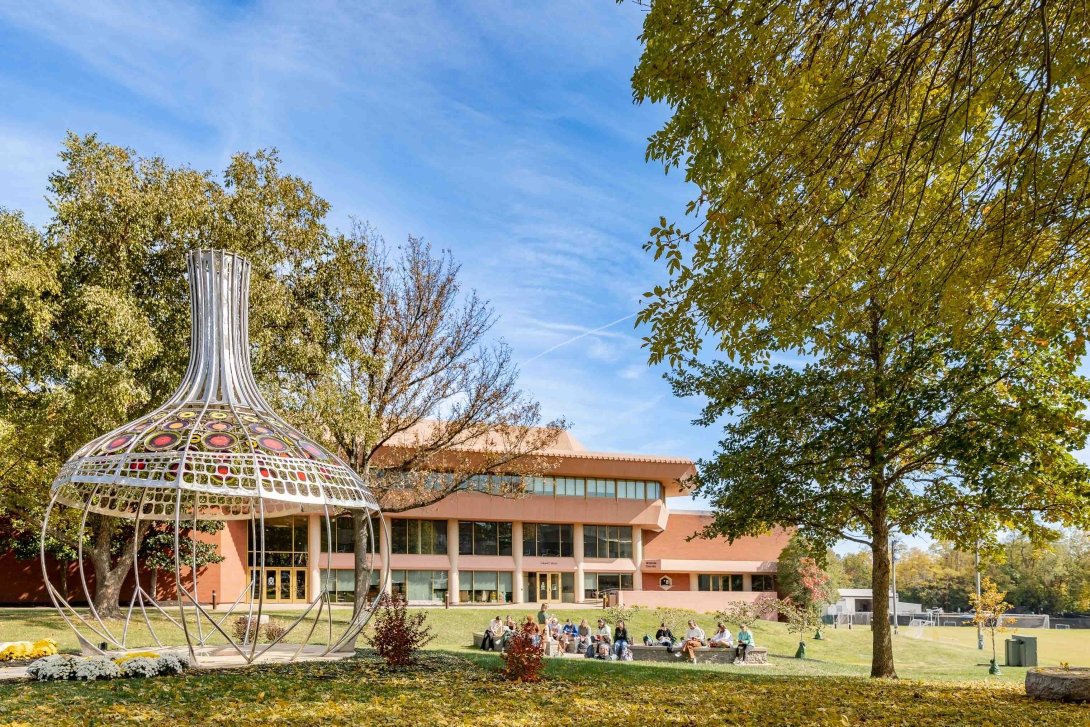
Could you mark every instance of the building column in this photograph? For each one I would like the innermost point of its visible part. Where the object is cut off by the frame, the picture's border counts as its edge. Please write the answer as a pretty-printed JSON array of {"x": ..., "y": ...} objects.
[
  {"x": 315, "y": 523},
  {"x": 516, "y": 555},
  {"x": 452, "y": 555},
  {"x": 694, "y": 581},
  {"x": 577, "y": 551},
  {"x": 637, "y": 555},
  {"x": 384, "y": 555}
]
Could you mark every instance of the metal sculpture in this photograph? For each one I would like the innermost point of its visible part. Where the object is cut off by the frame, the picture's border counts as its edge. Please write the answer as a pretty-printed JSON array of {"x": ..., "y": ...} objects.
[{"x": 215, "y": 450}]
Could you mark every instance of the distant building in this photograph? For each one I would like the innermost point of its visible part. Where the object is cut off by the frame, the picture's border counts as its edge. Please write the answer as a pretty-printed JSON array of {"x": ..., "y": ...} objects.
[{"x": 854, "y": 601}]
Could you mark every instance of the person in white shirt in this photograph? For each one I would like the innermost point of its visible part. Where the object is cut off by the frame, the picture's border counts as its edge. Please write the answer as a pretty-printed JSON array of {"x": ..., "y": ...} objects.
[
  {"x": 492, "y": 635},
  {"x": 601, "y": 636},
  {"x": 721, "y": 638},
  {"x": 694, "y": 639}
]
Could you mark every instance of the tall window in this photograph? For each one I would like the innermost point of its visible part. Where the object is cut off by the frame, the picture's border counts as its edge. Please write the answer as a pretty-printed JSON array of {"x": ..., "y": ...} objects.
[
  {"x": 763, "y": 582},
  {"x": 601, "y": 488},
  {"x": 485, "y": 586},
  {"x": 570, "y": 486},
  {"x": 607, "y": 541},
  {"x": 344, "y": 535},
  {"x": 418, "y": 537},
  {"x": 419, "y": 585},
  {"x": 720, "y": 582},
  {"x": 286, "y": 540},
  {"x": 546, "y": 539},
  {"x": 484, "y": 538},
  {"x": 540, "y": 485},
  {"x": 341, "y": 585},
  {"x": 596, "y": 583}
]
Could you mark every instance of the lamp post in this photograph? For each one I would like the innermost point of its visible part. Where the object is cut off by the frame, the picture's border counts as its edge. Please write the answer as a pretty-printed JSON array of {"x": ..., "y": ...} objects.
[
  {"x": 893, "y": 543},
  {"x": 979, "y": 630}
]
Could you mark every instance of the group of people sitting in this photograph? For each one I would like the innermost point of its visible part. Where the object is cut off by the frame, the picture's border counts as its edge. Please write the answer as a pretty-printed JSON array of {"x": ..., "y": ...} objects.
[
  {"x": 598, "y": 641},
  {"x": 601, "y": 642},
  {"x": 696, "y": 638}
]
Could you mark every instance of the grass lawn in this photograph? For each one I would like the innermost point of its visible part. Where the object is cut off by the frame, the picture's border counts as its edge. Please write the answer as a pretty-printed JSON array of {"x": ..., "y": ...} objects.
[
  {"x": 464, "y": 688},
  {"x": 943, "y": 682},
  {"x": 943, "y": 653}
]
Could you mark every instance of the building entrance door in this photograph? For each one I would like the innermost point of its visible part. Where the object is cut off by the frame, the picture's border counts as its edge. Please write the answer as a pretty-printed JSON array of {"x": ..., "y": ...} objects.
[
  {"x": 282, "y": 585},
  {"x": 548, "y": 587}
]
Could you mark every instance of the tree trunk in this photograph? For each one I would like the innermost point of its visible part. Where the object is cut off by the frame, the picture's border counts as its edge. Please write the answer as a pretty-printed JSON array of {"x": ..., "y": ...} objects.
[
  {"x": 882, "y": 647},
  {"x": 109, "y": 574}
]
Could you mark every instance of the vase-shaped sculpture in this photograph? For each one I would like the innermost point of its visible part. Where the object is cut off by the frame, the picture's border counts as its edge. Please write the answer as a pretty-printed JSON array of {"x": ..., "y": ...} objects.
[{"x": 215, "y": 450}]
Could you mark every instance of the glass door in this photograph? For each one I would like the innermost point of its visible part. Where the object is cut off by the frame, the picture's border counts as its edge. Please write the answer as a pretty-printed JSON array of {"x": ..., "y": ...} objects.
[
  {"x": 282, "y": 585},
  {"x": 548, "y": 587}
]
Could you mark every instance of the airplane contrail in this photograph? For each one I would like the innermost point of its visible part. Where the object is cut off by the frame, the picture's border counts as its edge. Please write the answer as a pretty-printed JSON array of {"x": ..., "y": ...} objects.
[{"x": 584, "y": 334}]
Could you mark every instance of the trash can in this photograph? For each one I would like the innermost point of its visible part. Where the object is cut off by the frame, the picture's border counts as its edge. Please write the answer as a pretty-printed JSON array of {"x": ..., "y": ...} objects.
[
  {"x": 1014, "y": 652},
  {"x": 1028, "y": 650},
  {"x": 1021, "y": 651}
]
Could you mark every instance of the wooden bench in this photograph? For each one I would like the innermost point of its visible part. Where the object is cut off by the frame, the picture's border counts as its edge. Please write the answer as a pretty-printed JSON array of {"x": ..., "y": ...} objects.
[{"x": 705, "y": 654}]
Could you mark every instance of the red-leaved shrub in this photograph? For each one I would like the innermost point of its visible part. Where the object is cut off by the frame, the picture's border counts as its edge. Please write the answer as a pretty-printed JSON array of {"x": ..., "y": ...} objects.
[
  {"x": 523, "y": 660},
  {"x": 397, "y": 635}
]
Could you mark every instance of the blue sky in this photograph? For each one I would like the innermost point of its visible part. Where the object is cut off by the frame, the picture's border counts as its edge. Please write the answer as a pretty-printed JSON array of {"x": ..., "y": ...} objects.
[{"x": 504, "y": 132}]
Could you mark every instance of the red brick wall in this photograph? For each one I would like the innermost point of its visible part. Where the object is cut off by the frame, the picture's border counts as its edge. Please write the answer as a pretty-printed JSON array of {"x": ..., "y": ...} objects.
[
  {"x": 671, "y": 543},
  {"x": 680, "y": 581}
]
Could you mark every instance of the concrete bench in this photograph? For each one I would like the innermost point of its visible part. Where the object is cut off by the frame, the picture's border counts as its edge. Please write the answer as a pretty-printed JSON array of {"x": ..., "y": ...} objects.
[{"x": 705, "y": 654}]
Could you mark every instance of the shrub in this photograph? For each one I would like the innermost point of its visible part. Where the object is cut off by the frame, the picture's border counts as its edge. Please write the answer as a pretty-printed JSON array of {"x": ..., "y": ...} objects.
[
  {"x": 53, "y": 668},
  {"x": 674, "y": 618},
  {"x": 137, "y": 664},
  {"x": 136, "y": 655},
  {"x": 245, "y": 629},
  {"x": 397, "y": 635},
  {"x": 613, "y": 614},
  {"x": 141, "y": 666},
  {"x": 95, "y": 667},
  {"x": 274, "y": 630},
  {"x": 172, "y": 664},
  {"x": 746, "y": 614},
  {"x": 524, "y": 659}
]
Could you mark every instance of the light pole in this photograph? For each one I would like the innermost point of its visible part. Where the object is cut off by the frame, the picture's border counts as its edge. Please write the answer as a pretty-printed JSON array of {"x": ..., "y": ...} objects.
[
  {"x": 979, "y": 630},
  {"x": 893, "y": 543}
]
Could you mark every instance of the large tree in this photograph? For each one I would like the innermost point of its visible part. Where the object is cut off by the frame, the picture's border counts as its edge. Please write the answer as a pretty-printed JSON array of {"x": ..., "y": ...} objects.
[
  {"x": 888, "y": 244},
  {"x": 94, "y": 309},
  {"x": 421, "y": 403}
]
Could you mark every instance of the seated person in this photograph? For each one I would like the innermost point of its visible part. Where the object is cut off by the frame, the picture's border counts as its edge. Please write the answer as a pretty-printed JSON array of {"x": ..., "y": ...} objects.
[
  {"x": 721, "y": 638},
  {"x": 620, "y": 638},
  {"x": 529, "y": 627},
  {"x": 694, "y": 639},
  {"x": 665, "y": 636},
  {"x": 492, "y": 635},
  {"x": 745, "y": 643},
  {"x": 509, "y": 627},
  {"x": 601, "y": 638},
  {"x": 567, "y": 634},
  {"x": 583, "y": 638}
]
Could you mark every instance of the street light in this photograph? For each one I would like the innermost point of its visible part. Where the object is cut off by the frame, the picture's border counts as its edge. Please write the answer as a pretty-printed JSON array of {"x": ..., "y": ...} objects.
[
  {"x": 979, "y": 629},
  {"x": 893, "y": 544}
]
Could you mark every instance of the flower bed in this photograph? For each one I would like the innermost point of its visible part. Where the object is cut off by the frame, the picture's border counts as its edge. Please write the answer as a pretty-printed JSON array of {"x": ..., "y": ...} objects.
[
  {"x": 63, "y": 667},
  {"x": 19, "y": 653}
]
